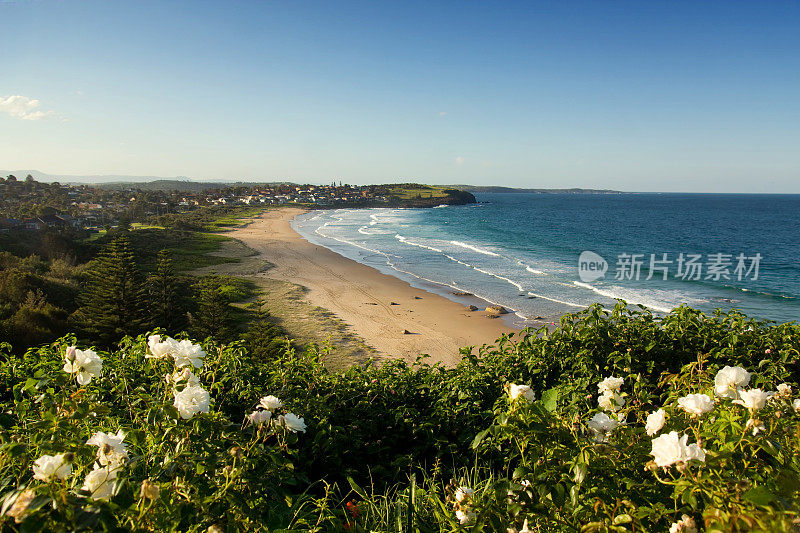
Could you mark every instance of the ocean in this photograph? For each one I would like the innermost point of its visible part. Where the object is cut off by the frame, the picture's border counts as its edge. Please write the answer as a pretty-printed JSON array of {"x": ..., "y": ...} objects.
[{"x": 541, "y": 255}]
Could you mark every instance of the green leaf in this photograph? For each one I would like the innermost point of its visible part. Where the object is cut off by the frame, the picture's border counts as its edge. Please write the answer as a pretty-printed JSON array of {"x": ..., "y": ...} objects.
[
  {"x": 550, "y": 399},
  {"x": 357, "y": 488},
  {"x": 759, "y": 496},
  {"x": 787, "y": 482},
  {"x": 689, "y": 498},
  {"x": 623, "y": 519},
  {"x": 479, "y": 438},
  {"x": 580, "y": 472}
]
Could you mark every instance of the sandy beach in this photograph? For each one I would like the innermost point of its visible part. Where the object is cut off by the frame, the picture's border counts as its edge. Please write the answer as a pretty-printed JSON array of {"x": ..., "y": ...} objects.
[{"x": 376, "y": 307}]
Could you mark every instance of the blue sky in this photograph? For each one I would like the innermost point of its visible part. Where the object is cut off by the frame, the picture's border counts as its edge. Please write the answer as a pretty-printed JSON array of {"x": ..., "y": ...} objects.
[{"x": 650, "y": 96}]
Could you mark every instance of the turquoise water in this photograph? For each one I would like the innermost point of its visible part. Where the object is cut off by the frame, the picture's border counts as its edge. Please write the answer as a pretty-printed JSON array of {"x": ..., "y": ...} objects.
[{"x": 521, "y": 250}]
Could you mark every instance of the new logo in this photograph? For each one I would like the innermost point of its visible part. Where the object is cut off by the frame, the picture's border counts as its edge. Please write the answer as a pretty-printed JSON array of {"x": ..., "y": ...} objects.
[{"x": 591, "y": 267}]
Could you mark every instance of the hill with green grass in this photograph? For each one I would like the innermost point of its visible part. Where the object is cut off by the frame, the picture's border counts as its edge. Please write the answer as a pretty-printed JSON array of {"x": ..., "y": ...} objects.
[{"x": 417, "y": 195}]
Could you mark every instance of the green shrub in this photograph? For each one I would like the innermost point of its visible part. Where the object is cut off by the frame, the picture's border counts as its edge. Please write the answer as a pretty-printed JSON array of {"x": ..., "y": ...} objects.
[{"x": 388, "y": 446}]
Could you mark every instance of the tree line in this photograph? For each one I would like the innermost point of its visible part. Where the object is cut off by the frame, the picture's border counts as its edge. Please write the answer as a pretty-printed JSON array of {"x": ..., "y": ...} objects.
[{"x": 111, "y": 296}]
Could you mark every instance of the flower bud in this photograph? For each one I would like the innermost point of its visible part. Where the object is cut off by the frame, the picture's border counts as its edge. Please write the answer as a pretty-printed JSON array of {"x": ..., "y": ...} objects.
[
  {"x": 71, "y": 352},
  {"x": 236, "y": 451},
  {"x": 214, "y": 529},
  {"x": 150, "y": 490}
]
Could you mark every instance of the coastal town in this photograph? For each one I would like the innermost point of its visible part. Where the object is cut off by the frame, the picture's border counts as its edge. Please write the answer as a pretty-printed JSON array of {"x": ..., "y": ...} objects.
[{"x": 30, "y": 205}]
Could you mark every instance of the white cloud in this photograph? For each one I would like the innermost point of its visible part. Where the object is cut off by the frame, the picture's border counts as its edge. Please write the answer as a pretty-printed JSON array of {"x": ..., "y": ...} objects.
[
  {"x": 22, "y": 107},
  {"x": 459, "y": 160}
]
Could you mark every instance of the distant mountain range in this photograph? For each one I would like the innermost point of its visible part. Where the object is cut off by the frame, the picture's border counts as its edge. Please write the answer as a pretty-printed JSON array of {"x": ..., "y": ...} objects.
[
  {"x": 162, "y": 184},
  {"x": 152, "y": 183},
  {"x": 183, "y": 183},
  {"x": 96, "y": 179}
]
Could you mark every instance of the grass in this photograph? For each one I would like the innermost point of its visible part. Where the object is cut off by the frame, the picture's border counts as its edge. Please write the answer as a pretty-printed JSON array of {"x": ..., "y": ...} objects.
[
  {"x": 289, "y": 309},
  {"x": 96, "y": 236},
  {"x": 190, "y": 249},
  {"x": 140, "y": 225},
  {"x": 408, "y": 193},
  {"x": 234, "y": 219}
]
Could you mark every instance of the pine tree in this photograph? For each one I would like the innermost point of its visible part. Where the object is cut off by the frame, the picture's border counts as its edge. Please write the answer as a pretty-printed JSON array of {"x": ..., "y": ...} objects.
[
  {"x": 264, "y": 339},
  {"x": 167, "y": 303},
  {"x": 113, "y": 301},
  {"x": 213, "y": 317}
]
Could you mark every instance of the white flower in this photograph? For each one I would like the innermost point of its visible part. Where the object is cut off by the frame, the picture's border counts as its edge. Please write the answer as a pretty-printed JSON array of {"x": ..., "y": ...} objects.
[
  {"x": 753, "y": 399},
  {"x": 100, "y": 482},
  {"x": 685, "y": 525},
  {"x": 696, "y": 404},
  {"x": 756, "y": 425},
  {"x": 259, "y": 417},
  {"x": 84, "y": 363},
  {"x": 48, "y": 466},
  {"x": 192, "y": 400},
  {"x": 110, "y": 448},
  {"x": 610, "y": 384},
  {"x": 525, "y": 527},
  {"x": 463, "y": 494},
  {"x": 693, "y": 452},
  {"x": 601, "y": 425},
  {"x": 729, "y": 380},
  {"x": 292, "y": 422},
  {"x": 149, "y": 490},
  {"x": 796, "y": 405},
  {"x": 521, "y": 391},
  {"x": 610, "y": 401},
  {"x": 187, "y": 354},
  {"x": 785, "y": 390},
  {"x": 160, "y": 349},
  {"x": 466, "y": 517},
  {"x": 271, "y": 403},
  {"x": 655, "y": 421},
  {"x": 669, "y": 449},
  {"x": 184, "y": 376}
]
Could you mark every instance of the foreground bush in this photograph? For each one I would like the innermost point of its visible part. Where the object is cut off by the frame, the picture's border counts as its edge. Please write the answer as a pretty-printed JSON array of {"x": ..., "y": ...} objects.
[
  {"x": 724, "y": 456},
  {"x": 563, "y": 430},
  {"x": 130, "y": 440}
]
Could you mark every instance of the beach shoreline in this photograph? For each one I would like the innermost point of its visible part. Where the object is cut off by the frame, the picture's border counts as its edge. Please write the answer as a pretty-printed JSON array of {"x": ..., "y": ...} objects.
[{"x": 394, "y": 318}]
